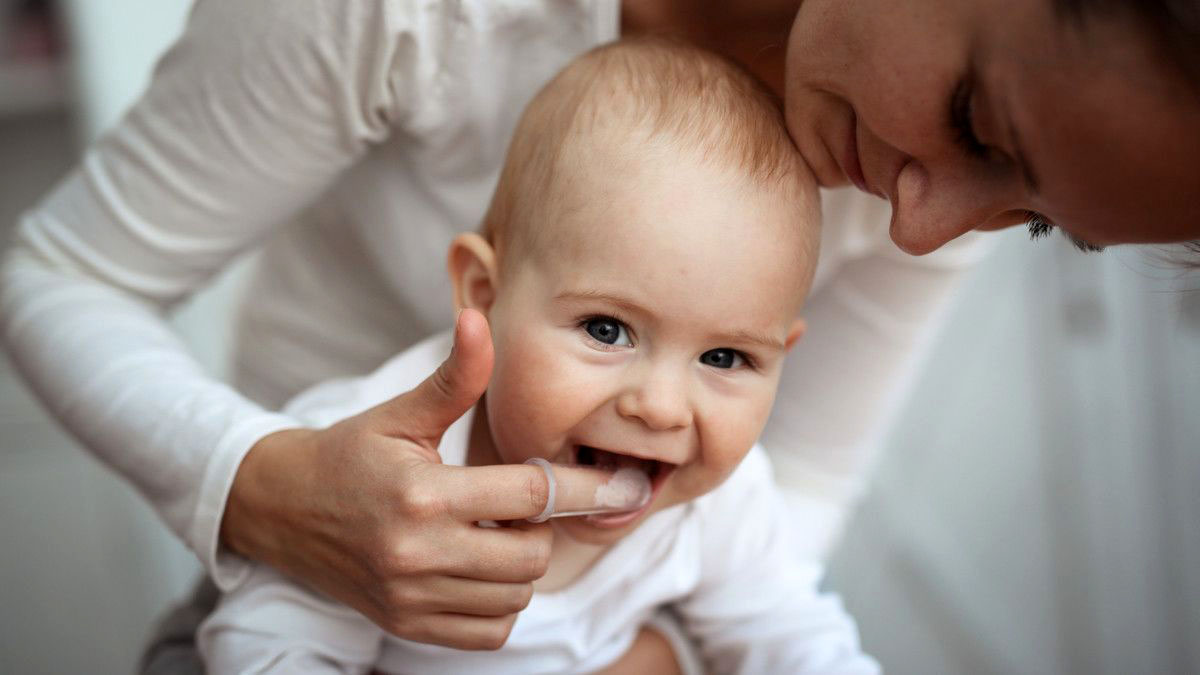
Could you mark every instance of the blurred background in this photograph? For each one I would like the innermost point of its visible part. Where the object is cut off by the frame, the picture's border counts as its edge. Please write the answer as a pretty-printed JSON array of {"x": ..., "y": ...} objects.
[{"x": 1035, "y": 511}]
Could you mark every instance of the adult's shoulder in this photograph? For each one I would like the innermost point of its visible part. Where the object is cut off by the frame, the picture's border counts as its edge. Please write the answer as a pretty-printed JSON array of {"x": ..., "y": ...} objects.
[{"x": 399, "y": 62}]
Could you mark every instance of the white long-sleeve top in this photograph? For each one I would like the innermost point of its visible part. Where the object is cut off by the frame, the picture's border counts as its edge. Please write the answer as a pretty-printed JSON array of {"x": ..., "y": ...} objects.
[
  {"x": 350, "y": 141},
  {"x": 724, "y": 562}
]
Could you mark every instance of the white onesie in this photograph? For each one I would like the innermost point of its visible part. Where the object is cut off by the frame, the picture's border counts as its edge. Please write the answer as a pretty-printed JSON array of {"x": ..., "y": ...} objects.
[{"x": 723, "y": 562}]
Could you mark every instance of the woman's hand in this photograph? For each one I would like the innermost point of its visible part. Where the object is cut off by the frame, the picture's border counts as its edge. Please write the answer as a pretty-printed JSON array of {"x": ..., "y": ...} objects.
[{"x": 365, "y": 512}]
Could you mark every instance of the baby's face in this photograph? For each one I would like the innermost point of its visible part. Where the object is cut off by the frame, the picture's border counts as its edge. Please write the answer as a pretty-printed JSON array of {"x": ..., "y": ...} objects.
[{"x": 648, "y": 330}]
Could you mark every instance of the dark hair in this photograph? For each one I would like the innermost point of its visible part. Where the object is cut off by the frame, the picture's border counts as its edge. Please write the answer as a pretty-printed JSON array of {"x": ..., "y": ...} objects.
[{"x": 1175, "y": 25}]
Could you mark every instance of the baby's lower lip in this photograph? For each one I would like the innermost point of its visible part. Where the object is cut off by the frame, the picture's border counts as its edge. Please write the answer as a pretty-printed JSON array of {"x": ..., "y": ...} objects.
[{"x": 608, "y": 521}]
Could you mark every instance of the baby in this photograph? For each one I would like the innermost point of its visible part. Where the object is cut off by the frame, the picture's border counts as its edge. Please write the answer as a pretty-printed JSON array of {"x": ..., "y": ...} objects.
[{"x": 642, "y": 265}]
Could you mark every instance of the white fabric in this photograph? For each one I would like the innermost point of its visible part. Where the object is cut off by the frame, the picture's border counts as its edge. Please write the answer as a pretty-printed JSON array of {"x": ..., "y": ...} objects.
[
  {"x": 723, "y": 561},
  {"x": 352, "y": 140}
]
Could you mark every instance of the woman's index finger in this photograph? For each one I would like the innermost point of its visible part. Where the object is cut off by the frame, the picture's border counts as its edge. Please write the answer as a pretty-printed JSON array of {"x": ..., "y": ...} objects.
[
  {"x": 500, "y": 492},
  {"x": 520, "y": 491}
]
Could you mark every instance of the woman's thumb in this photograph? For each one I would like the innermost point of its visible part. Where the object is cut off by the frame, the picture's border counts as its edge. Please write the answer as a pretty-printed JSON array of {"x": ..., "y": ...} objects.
[{"x": 455, "y": 386}]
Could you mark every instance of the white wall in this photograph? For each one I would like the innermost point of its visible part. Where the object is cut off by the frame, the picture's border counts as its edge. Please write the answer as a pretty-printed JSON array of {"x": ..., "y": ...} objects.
[
  {"x": 1036, "y": 509},
  {"x": 114, "y": 44}
]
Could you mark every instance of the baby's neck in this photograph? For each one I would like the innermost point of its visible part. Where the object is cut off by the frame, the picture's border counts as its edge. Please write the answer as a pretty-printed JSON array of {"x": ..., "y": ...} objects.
[{"x": 569, "y": 559}]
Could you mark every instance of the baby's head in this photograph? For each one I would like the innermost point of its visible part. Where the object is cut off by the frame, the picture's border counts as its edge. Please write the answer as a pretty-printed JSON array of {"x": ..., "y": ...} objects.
[{"x": 642, "y": 266}]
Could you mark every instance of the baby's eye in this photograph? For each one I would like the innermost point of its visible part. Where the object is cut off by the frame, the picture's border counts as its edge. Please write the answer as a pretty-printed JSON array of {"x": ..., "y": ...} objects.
[
  {"x": 607, "y": 330},
  {"x": 722, "y": 358}
]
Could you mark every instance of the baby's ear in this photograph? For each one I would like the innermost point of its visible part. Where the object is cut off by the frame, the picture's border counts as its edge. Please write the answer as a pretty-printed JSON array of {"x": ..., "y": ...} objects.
[
  {"x": 794, "y": 334},
  {"x": 471, "y": 263}
]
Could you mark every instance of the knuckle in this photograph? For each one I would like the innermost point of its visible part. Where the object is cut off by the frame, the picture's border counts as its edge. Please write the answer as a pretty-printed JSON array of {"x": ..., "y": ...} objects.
[
  {"x": 442, "y": 381},
  {"x": 496, "y": 633},
  {"x": 538, "y": 559},
  {"x": 403, "y": 560},
  {"x": 398, "y": 624},
  {"x": 396, "y": 627},
  {"x": 538, "y": 490},
  {"x": 402, "y": 598},
  {"x": 421, "y": 502},
  {"x": 520, "y": 598}
]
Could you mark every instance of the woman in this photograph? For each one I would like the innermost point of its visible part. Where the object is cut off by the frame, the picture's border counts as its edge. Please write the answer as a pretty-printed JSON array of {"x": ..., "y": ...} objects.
[
  {"x": 356, "y": 138},
  {"x": 976, "y": 115}
]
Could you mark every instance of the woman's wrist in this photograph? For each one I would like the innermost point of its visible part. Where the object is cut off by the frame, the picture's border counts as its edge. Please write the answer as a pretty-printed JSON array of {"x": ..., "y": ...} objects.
[{"x": 256, "y": 508}]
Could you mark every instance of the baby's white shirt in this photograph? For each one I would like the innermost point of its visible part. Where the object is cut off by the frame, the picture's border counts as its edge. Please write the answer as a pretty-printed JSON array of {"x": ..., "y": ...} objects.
[{"x": 724, "y": 562}]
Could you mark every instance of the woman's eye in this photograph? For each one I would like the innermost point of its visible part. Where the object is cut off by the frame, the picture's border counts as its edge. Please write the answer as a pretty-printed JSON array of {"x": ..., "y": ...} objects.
[
  {"x": 607, "y": 330},
  {"x": 721, "y": 358},
  {"x": 962, "y": 120}
]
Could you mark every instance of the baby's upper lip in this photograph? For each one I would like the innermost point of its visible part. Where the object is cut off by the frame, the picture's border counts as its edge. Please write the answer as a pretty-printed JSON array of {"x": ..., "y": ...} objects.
[
  {"x": 645, "y": 455},
  {"x": 658, "y": 469}
]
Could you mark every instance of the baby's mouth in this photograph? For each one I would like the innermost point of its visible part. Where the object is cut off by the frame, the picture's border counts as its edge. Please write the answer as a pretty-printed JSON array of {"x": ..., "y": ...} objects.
[
  {"x": 620, "y": 463},
  {"x": 608, "y": 460}
]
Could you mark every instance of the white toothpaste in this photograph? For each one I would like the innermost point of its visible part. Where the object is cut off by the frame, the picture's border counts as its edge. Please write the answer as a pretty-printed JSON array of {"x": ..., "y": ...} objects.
[{"x": 627, "y": 486}]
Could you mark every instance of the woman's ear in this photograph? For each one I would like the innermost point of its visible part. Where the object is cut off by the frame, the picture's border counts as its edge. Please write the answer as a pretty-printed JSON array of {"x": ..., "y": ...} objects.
[
  {"x": 794, "y": 334},
  {"x": 472, "y": 267}
]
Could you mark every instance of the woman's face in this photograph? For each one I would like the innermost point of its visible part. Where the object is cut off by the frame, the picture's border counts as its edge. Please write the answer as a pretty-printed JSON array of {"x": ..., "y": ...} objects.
[{"x": 970, "y": 114}]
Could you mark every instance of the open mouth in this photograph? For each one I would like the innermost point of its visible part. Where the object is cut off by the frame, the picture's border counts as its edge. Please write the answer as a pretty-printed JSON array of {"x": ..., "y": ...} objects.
[
  {"x": 586, "y": 455},
  {"x": 656, "y": 470}
]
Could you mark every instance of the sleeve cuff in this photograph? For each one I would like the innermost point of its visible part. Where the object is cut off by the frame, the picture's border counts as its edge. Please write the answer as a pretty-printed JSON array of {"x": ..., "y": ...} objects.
[{"x": 226, "y": 568}]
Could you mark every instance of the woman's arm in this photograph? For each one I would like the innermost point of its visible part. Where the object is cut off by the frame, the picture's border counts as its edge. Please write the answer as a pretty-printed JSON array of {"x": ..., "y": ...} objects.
[{"x": 869, "y": 326}]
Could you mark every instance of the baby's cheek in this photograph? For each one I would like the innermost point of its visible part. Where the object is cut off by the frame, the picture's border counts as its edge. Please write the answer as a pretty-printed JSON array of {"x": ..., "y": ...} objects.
[
  {"x": 726, "y": 438},
  {"x": 535, "y": 389}
]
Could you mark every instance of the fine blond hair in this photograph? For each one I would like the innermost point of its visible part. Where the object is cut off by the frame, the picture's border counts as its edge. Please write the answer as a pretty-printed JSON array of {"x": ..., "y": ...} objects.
[{"x": 655, "y": 94}]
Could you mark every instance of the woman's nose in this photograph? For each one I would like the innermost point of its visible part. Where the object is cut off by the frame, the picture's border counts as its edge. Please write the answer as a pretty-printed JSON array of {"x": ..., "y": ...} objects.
[
  {"x": 929, "y": 210},
  {"x": 658, "y": 398}
]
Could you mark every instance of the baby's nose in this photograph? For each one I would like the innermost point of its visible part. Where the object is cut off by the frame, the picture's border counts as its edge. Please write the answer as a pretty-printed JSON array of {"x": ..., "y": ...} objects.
[{"x": 659, "y": 400}]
